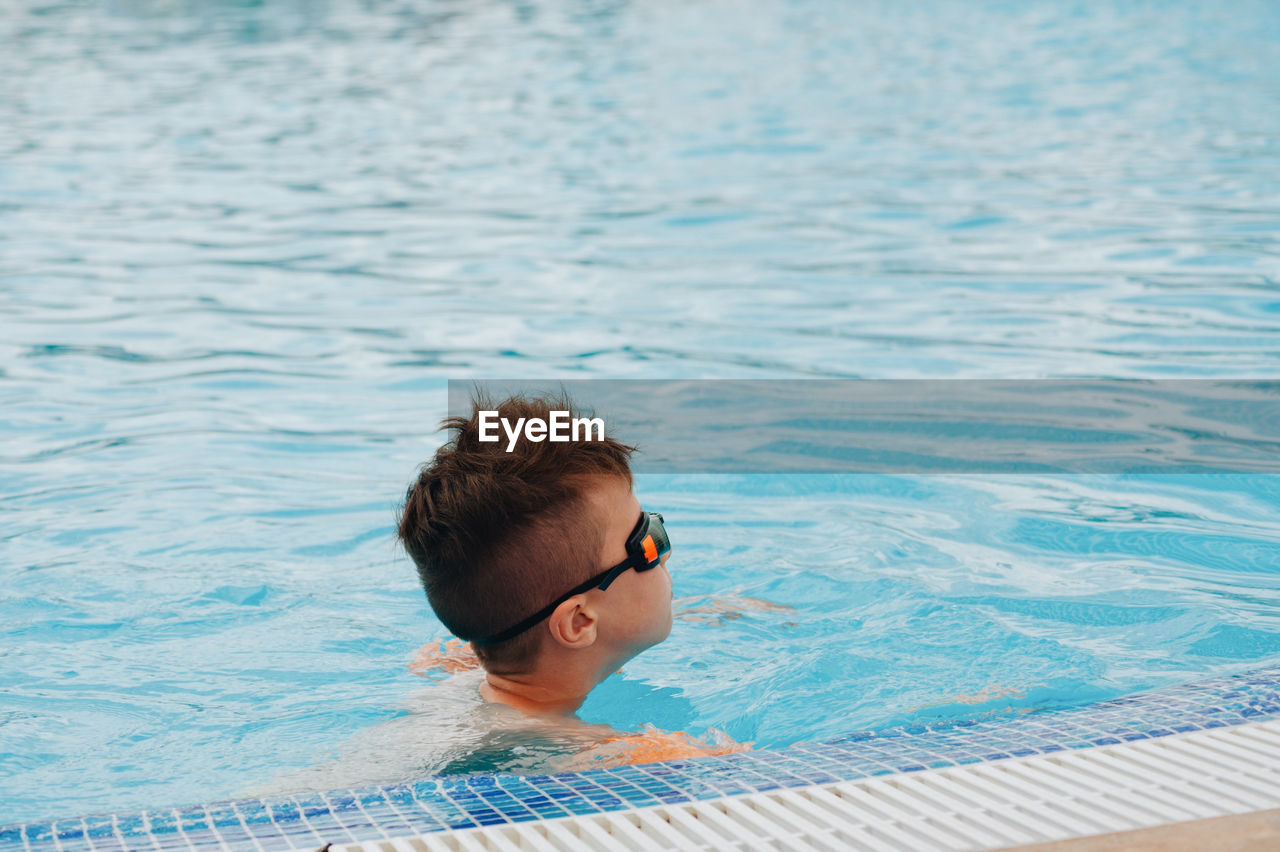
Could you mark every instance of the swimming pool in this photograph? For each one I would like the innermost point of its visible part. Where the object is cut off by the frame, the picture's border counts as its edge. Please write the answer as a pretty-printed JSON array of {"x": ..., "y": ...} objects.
[
  {"x": 246, "y": 246},
  {"x": 432, "y": 806}
]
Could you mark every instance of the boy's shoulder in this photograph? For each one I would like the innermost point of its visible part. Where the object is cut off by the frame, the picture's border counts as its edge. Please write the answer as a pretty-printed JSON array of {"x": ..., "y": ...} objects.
[{"x": 650, "y": 745}]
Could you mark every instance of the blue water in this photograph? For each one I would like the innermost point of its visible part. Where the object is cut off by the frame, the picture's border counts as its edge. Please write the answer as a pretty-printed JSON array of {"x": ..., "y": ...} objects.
[{"x": 244, "y": 245}]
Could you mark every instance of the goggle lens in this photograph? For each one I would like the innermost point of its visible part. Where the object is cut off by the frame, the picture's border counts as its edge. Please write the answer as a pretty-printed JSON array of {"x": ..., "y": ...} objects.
[{"x": 656, "y": 543}]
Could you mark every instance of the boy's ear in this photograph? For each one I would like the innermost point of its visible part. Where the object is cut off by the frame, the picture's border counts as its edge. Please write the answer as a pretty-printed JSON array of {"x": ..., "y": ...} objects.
[{"x": 574, "y": 623}]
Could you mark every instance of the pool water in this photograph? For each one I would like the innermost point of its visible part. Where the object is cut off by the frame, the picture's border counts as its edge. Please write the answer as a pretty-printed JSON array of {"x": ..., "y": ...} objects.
[{"x": 244, "y": 246}]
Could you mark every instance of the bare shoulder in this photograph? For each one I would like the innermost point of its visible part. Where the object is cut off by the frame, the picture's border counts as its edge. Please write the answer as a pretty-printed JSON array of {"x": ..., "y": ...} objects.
[{"x": 650, "y": 745}]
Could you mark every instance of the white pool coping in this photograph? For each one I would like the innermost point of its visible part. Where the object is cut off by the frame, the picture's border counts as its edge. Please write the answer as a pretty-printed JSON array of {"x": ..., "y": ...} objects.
[{"x": 987, "y": 805}]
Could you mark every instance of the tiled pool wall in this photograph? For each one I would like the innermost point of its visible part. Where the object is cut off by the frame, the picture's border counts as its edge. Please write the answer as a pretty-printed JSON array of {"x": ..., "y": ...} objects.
[{"x": 442, "y": 803}]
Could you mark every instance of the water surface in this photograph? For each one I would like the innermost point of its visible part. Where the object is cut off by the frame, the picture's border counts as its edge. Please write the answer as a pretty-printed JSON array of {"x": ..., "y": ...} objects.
[{"x": 243, "y": 246}]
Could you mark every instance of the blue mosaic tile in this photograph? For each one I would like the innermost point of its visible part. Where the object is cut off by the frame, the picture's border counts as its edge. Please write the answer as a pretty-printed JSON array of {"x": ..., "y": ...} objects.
[{"x": 438, "y": 804}]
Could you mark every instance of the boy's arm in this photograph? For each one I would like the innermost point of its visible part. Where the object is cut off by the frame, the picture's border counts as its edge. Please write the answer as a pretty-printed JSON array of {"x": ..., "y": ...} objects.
[
  {"x": 722, "y": 608},
  {"x": 449, "y": 656},
  {"x": 454, "y": 655},
  {"x": 649, "y": 746},
  {"x": 445, "y": 655}
]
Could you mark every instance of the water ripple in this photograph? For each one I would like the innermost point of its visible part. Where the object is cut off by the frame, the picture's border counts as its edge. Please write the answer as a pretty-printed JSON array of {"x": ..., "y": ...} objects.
[{"x": 243, "y": 246}]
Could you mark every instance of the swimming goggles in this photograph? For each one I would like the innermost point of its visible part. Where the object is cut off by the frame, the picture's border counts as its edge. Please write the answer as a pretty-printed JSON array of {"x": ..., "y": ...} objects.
[{"x": 646, "y": 546}]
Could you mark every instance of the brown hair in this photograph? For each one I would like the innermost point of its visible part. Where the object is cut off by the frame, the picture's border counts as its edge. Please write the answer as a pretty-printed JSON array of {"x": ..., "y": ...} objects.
[{"x": 497, "y": 535}]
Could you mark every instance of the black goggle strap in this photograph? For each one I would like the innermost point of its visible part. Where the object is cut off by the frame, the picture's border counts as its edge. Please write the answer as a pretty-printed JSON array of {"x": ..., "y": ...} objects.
[
  {"x": 646, "y": 546},
  {"x": 517, "y": 629}
]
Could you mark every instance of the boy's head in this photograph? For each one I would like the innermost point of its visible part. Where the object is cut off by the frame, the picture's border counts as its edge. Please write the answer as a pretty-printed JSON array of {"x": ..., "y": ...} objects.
[{"x": 499, "y": 535}]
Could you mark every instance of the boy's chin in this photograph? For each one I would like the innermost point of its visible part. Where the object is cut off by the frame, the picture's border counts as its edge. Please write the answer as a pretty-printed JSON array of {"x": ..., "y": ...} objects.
[
  {"x": 662, "y": 637},
  {"x": 649, "y": 641}
]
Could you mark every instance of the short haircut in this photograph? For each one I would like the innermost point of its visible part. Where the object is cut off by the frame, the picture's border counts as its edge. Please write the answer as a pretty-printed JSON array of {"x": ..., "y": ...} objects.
[{"x": 498, "y": 535}]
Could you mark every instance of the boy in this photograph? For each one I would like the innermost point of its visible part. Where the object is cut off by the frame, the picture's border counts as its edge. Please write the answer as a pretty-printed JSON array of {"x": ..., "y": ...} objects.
[
  {"x": 539, "y": 554},
  {"x": 543, "y": 558}
]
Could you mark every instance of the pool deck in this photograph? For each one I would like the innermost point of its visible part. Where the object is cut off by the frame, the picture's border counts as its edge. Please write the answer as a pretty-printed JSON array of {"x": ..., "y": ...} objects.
[
  {"x": 437, "y": 805},
  {"x": 1241, "y": 833}
]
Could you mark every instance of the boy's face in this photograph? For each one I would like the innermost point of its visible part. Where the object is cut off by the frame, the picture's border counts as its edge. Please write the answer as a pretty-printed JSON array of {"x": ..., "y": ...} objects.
[{"x": 638, "y": 603}]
